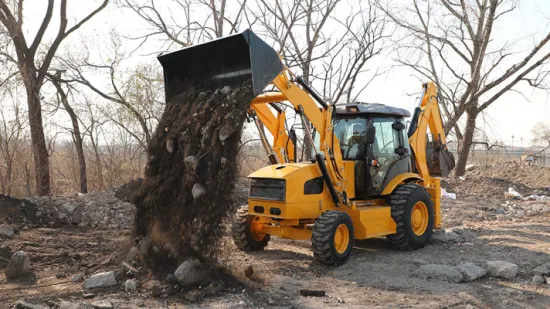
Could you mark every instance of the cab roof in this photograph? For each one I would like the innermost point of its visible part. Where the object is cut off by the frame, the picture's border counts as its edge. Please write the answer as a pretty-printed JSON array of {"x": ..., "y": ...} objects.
[{"x": 370, "y": 108}]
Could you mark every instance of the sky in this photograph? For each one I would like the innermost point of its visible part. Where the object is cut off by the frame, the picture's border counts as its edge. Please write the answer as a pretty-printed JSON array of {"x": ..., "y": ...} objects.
[{"x": 513, "y": 114}]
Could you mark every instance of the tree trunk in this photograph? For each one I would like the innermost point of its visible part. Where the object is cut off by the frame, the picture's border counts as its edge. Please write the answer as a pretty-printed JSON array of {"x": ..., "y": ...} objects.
[
  {"x": 76, "y": 135},
  {"x": 40, "y": 151},
  {"x": 466, "y": 142},
  {"x": 97, "y": 161}
]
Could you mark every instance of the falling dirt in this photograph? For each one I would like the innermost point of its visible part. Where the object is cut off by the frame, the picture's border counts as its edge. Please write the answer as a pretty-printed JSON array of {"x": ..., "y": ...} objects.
[{"x": 191, "y": 173}]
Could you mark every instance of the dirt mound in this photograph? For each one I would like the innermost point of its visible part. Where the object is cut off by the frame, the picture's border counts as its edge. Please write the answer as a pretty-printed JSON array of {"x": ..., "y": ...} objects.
[
  {"x": 491, "y": 181},
  {"x": 16, "y": 211},
  {"x": 128, "y": 192},
  {"x": 191, "y": 171}
]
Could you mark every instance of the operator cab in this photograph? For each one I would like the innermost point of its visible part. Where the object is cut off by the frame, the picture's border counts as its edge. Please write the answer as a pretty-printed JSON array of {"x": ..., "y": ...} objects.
[{"x": 374, "y": 137}]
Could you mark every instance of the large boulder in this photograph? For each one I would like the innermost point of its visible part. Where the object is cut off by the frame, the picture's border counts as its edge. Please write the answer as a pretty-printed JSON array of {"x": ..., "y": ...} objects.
[
  {"x": 18, "y": 265},
  {"x": 101, "y": 280},
  {"x": 190, "y": 272},
  {"x": 502, "y": 269},
  {"x": 470, "y": 271},
  {"x": 439, "y": 272}
]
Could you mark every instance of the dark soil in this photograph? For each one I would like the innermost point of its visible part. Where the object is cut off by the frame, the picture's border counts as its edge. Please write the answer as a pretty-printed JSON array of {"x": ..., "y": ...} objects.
[
  {"x": 15, "y": 211},
  {"x": 129, "y": 191},
  {"x": 191, "y": 173}
]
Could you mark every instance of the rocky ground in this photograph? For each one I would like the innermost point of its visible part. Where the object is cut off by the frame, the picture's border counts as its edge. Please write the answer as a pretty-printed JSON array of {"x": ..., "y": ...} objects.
[{"x": 495, "y": 253}]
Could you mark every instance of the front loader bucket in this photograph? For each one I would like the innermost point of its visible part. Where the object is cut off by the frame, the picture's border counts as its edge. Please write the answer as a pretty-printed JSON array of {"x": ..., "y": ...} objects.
[{"x": 223, "y": 62}]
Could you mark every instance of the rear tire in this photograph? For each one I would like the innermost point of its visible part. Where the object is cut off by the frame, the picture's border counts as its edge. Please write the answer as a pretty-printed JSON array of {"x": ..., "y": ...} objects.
[
  {"x": 332, "y": 238},
  {"x": 243, "y": 233},
  {"x": 412, "y": 211}
]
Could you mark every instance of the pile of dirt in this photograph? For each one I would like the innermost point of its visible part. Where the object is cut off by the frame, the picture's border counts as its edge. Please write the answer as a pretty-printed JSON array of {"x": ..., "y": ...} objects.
[
  {"x": 191, "y": 172},
  {"x": 492, "y": 181},
  {"x": 129, "y": 191},
  {"x": 18, "y": 212}
]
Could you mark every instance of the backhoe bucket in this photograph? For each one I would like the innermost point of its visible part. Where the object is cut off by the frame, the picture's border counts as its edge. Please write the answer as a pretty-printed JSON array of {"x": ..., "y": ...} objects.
[
  {"x": 439, "y": 159},
  {"x": 227, "y": 61}
]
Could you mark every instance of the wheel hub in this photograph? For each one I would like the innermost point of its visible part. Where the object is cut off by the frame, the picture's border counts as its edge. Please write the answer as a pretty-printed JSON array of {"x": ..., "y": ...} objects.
[
  {"x": 341, "y": 238},
  {"x": 256, "y": 229},
  {"x": 419, "y": 218}
]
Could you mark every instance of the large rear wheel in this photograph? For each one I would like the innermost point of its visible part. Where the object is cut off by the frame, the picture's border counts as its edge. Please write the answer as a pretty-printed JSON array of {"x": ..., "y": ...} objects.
[
  {"x": 412, "y": 211},
  {"x": 332, "y": 238},
  {"x": 247, "y": 231}
]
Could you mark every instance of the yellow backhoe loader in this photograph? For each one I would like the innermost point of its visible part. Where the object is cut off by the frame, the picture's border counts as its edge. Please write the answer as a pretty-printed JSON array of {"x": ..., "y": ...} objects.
[{"x": 368, "y": 177}]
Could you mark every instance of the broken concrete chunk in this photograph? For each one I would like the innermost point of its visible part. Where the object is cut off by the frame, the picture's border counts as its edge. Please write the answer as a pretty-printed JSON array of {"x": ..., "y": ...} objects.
[
  {"x": 190, "y": 161},
  {"x": 502, "y": 269},
  {"x": 6, "y": 230},
  {"x": 225, "y": 132},
  {"x": 537, "y": 280},
  {"x": 543, "y": 270},
  {"x": 26, "y": 305},
  {"x": 470, "y": 271},
  {"x": 190, "y": 272},
  {"x": 170, "y": 146},
  {"x": 69, "y": 207},
  {"x": 18, "y": 265},
  {"x": 144, "y": 246},
  {"x": 438, "y": 272},
  {"x": 101, "y": 280},
  {"x": 198, "y": 190},
  {"x": 225, "y": 90},
  {"x": 130, "y": 285}
]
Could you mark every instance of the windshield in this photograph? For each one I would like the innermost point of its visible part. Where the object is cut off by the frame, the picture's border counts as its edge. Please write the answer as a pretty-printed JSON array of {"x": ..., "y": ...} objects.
[{"x": 350, "y": 132}]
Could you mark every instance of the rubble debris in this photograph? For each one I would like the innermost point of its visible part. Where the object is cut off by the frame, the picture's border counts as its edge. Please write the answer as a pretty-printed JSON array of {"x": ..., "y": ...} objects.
[
  {"x": 537, "y": 280},
  {"x": 6, "y": 230},
  {"x": 502, "y": 269},
  {"x": 182, "y": 201},
  {"x": 77, "y": 278},
  {"x": 439, "y": 272},
  {"x": 156, "y": 290},
  {"x": 102, "y": 304},
  {"x": 101, "y": 280},
  {"x": 543, "y": 270},
  {"x": 191, "y": 272},
  {"x": 449, "y": 195},
  {"x": 470, "y": 167},
  {"x": 18, "y": 265},
  {"x": 512, "y": 194},
  {"x": 76, "y": 305},
  {"x": 454, "y": 235},
  {"x": 88, "y": 295},
  {"x": 21, "y": 304},
  {"x": 69, "y": 207},
  {"x": 131, "y": 285},
  {"x": 470, "y": 271},
  {"x": 313, "y": 293}
]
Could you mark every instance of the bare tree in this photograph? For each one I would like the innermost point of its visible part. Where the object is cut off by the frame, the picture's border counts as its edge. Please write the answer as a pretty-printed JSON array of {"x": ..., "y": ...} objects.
[
  {"x": 62, "y": 96},
  {"x": 33, "y": 66},
  {"x": 197, "y": 20},
  {"x": 541, "y": 133},
  {"x": 451, "y": 43},
  {"x": 12, "y": 140}
]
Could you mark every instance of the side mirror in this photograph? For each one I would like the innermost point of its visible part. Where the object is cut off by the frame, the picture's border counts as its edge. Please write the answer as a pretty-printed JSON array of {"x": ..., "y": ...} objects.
[{"x": 370, "y": 135}]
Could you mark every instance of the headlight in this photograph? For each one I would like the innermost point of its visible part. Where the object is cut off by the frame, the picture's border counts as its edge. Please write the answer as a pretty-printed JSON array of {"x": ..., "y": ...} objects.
[{"x": 267, "y": 189}]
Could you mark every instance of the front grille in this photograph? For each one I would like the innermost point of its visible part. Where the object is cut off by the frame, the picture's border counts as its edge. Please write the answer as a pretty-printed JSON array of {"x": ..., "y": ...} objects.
[{"x": 267, "y": 189}]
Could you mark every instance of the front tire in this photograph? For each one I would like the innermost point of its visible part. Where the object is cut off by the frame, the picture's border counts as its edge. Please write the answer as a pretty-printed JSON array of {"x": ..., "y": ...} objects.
[
  {"x": 412, "y": 211},
  {"x": 332, "y": 238},
  {"x": 246, "y": 231}
]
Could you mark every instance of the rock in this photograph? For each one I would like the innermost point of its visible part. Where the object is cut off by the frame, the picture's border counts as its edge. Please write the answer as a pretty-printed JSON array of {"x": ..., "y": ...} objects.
[
  {"x": 464, "y": 235},
  {"x": 470, "y": 271},
  {"x": 198, "y": 190},
  {"x": 69, "y": 207},
  {"x": 18, "y": 265},
  {"x": 470, "y": 167},
  {"x": 314, "y": 293},
  {"x": 144, "y": 246},
  {"x": 130, "y": 269},
  {"x": 6, "y": 230},
  {"x": 543, "y": 270},
  {"x": 225, "y": 132},
  {"x": 156, "y": 290},
  {"x": 537, "y": 280},
  {"x": 420, "y": 262},
  {"x": 270, "y": 301},
  {"x": 78, "y": 305},
  {"x": 438, "y": 272},
  {"x": 77, "y": 278},
  {"x": 5, "y": 252},
  {"x": 439, "y": 238},
  {"x": 502, "y": 269},
  {"x": 170, "y": 146},
  {"x": 21, "y": 304},
  {"x": 130, "y": 285},
  {"x": 225, "y": 90},
  {"x": 190, "y": 272},
  {"x": 101, "y": 280},
  {"x": 190, "y": 161},
  {"x": 249, "y": 271},
  {"x": 88, "y": 295},
  {"x": 548, "y": 280},
  {"x": 102, "y": 304}
]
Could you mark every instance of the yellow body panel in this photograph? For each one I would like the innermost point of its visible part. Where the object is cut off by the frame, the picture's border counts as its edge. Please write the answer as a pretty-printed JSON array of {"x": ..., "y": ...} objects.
[{"x": 372, "y": 221}]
